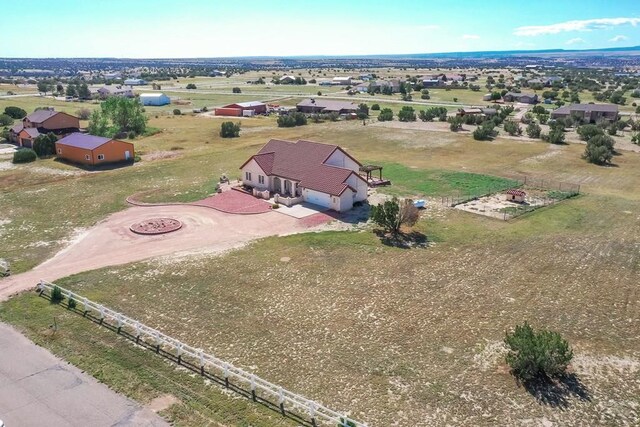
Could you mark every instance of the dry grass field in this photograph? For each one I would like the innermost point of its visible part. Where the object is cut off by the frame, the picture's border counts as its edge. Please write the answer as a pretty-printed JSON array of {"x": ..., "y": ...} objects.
[{"x": 405, "y": 337}]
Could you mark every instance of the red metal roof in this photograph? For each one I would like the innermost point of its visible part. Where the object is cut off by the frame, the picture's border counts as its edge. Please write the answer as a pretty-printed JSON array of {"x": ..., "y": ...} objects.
[
  {"x": 304, "y": 161},
  {"x": 514, "y": 192}
]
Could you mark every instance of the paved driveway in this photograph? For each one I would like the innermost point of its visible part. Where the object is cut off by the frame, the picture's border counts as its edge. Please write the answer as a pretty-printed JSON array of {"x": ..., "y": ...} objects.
[
  {"x": 37, "y": 389},
  {"x": 111, "y": 242}
]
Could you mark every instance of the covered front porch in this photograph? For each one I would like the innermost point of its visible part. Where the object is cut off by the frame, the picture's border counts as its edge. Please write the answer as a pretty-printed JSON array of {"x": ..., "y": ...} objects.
[{"x": 285, "y": 187}]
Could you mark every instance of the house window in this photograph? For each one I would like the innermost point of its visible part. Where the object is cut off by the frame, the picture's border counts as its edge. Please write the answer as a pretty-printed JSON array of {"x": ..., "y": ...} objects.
[
  {"x": 260, "y": 179},
  {"x": 100, "y": 156},
  {"x": 59, "y": 150},
  {"x": 87, "y": 157},
  {"x": 247, "y": 176}
]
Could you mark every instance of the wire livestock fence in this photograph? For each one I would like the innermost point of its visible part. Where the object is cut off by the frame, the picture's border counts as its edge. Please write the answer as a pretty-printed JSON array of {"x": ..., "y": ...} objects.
[
  {"x": 287, "y": 402},
  {"x": 537, "y": 193}
]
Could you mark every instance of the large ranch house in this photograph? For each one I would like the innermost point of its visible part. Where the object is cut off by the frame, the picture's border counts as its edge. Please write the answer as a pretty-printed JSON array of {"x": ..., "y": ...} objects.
[
  {"x": 306, "y": 171},
  {"x": 590, "y": 113},
  {"x": 42, "y": 122}
]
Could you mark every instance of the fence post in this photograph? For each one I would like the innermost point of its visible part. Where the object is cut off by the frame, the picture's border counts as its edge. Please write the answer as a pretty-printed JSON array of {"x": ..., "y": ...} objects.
[
  {"x": 101, "y": 314},
  {"x": 253, "y": 387},
  {"x": 86, "y": 306},
  {"x": 137, "y": 332},
  {"x": 312, "y": 413},
  {"x": 119, "y": 320},
  {"x": 179, "y": 353},
  {"x": 41, "y": 287},
  {"x": 225, "y": 374},
  {"x": 281, "y": 400},
  {"x": 201, "y": 357},
  {"x": 157, "y": 339}
]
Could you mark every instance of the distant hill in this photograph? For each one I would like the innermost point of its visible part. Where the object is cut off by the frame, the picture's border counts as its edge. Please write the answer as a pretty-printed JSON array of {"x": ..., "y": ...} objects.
[{"x": 635, "y": 50}]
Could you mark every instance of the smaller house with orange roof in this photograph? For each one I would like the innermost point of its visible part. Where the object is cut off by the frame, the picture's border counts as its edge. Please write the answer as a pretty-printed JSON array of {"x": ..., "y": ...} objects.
[{"x": 321, "y": 174}]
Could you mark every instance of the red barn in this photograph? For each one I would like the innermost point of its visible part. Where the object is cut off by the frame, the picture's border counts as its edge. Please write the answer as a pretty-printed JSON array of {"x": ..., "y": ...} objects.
[{"x": 242, "y": 109}]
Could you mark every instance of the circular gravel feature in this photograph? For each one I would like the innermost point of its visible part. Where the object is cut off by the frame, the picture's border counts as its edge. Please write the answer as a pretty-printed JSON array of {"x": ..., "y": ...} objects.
[{"x": 156, "y": 226}]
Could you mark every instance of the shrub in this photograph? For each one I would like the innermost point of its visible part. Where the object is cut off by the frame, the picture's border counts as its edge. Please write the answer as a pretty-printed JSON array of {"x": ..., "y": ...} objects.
[
  {"x": 586, "y": 132},
  {"x": 176, "y": 112},
  {"x": 385, "y": 115},
  {"x": 24, "y": 155},
  {"x": 15, "y": 112},
  {"x": 599, "y": 150},
  {"x": 236, "y": 90},
  {"x": 533, "y": 130},
  {"x": 393, "y": 214},
  {"x": 275, "y": 206},
  {"x": 286, "y": 121},
  {"x": 555, "y": 136},
  {"x": 484, "y": 132},
  {"x": 536, "y": 355},
  {"x": 191, "y": 86},
  {"x": 83, "y": 113},
  {"x": 375, "y": 107},
  {"x": 230, "y": 130},
  {"x": 56, "y": 295},
  {"x": 71, "y": 304},
  {"x": 407, "y": 114},
  {"x": 455, "y": 123},
  {"x": 512, "y": 128},
  {"x": 5, "y": 120},
  {"x": 45, "y": 145},
  {"x": 363, "y": 111},
  {"x": 612, "y": 130}
]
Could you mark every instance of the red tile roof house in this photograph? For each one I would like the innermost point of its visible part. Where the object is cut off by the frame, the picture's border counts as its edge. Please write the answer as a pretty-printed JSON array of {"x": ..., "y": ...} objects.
[
  {"x": 93, "y": 150},
  {"x": 42, "y": 122},
  {"x": 320, "y": 174}
]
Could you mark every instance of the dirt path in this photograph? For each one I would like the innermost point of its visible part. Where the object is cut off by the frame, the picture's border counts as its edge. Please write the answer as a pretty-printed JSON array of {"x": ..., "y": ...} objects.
[{"x": 111, "y": 242}]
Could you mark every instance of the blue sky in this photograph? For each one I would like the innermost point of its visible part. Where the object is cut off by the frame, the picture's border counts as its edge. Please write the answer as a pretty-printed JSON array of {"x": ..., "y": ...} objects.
[{"x": 215, "y": 28}]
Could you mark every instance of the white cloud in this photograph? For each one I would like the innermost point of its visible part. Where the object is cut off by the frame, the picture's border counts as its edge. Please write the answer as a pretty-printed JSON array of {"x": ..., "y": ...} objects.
[
  {"x": 471, "y": 37},
  {"x": 618, "y": 38},
  {"x": 584, "y": 25},
  {"x": 577, "y": 40}
]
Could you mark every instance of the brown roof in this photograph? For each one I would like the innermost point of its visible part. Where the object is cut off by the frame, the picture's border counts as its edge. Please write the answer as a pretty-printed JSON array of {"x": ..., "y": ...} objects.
[
  {"x": 32, "y": 132},
  {"x": 17, "y": 127},
  {"x": 515, "y": 192},
  {"x": 606, "y": 108},
  {"x": 327, "y": 104},
  {"x": 304, "y": 161},
  {"x": 40, "y": 116}
]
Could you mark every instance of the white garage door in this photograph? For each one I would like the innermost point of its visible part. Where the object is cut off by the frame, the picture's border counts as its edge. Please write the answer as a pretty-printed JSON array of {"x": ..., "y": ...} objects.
[{"x": 318, "y": 198}]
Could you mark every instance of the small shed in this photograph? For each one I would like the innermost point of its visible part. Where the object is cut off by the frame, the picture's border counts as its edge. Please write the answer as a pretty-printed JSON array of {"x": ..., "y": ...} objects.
[
  {"x": 515, "y": 195},
  {"x": 154, "y": 99}
]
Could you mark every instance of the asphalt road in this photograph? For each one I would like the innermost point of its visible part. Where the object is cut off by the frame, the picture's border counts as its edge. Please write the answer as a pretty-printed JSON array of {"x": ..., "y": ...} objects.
[{"x": 37, "y": 389}]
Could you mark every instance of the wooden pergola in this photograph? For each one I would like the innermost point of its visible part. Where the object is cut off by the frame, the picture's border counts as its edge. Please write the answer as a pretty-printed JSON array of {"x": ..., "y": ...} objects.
[{"x": 373, "y": 182}]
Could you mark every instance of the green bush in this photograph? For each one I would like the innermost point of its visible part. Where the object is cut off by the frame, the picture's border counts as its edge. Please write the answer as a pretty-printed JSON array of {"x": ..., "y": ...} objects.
[
  {"x": 56, "y": 295},
  {"x": 177, "y": 112},
  {"x": 24, "y": 155},
  {"x": 599, "y": 150},
  {"x": 533, "y": 130},
  {"x": 71, "y": 303},
  {"x": 407, "y": 114},
  {"x": 512, "y": 128},
  {"x": 586, "y": 132},
  {"x": 191, "y": 86},
  {"x": 15, "y": 112},
  {"x": 45, "y": 145},
  {"x": 236, "y": 90},
  {"x": 5, "y": 120},
  {"x": 375, "y": 107},
  {"x": 230, "y": 130},
  {"x": 386, "y": 115},
  {"x": 536, "y": 355},
  {"x": 555, "y": 136}
]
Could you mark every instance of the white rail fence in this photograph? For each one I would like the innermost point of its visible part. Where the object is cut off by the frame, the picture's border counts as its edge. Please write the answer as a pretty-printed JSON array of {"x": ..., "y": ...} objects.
[{"x": 316, "y": 412}]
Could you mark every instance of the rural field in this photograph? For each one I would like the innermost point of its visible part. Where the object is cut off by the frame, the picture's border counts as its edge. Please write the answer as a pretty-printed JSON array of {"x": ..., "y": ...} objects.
[{"x": 399, "y": 337}]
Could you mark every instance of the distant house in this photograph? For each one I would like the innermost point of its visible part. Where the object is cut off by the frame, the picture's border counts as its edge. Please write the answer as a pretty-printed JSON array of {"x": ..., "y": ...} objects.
[
  {"x": 365, "y": 77},
  {"x": 242, "y": 109},
  {"x": 313, "y": 105},
  {"x": 468, "y": 111},
  {"x": 43, "y": 122},
  {"x": 486, "y": 97},
  {"x": 362, "y": 87},
  {"x": 306, "y": 171},
  {"x": 325, "y": 83},
  {"x": 515, "y": 195},
  {"x": 454, "y": 77},
  {"x": 550, "y": 80},
  {"x": 344, "y": 81},
  {"x": 154, "y": 99},
  {"x": 107, "y": 91},
  {"x": 135, "y": 82},
  {"x": 216, "y": 73},
  {"x": 112, "y": 75},
  {"x": 379, "y": 85},
  {"x": 93, "y": 150},
  {"x": 533, "y": 82},
  {"x": 287, "y": 79},
  {"x": 432, "y": 82},
  {"x": 525, "y": 98},
  {"x": 590, "y": 113}
]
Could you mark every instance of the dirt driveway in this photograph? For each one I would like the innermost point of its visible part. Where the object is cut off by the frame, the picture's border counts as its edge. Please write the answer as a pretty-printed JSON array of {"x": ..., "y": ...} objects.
[{"x": 111, "y": 242}]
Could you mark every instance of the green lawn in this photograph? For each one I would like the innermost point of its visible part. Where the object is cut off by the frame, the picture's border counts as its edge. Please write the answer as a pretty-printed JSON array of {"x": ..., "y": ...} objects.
[{"x": 441, "y": 182}]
